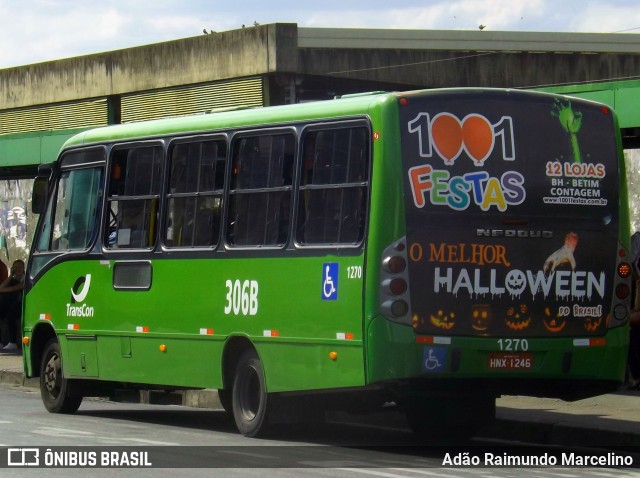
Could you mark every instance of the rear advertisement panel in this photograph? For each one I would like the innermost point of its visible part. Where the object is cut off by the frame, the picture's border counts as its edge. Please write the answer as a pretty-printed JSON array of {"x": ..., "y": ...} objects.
[{"x": 512, "y": 213}]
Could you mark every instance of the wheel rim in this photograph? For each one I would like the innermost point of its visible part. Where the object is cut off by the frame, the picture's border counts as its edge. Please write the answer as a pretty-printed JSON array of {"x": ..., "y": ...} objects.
[
  {"x": 250, "y": 396},
  {"x": 52, "y": 375}
]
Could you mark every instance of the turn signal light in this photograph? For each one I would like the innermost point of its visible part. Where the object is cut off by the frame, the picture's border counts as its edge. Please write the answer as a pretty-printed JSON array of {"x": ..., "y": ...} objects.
[
  {"x": 623, "y": 291},
  {"x": 395, "y": 264},
  {"x": 624, "y": 269},
  {"x": 398, "y": 286},
  {"x": 399, "y": 308},
  {"x": 25, "y": 340}
]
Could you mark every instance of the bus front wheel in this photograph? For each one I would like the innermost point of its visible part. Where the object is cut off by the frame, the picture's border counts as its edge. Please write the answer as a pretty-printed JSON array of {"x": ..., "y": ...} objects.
[
  {"x": 54, "y": 388},
  {"x": 224, "y": 396},
  {"x": 249, "y": 396}
]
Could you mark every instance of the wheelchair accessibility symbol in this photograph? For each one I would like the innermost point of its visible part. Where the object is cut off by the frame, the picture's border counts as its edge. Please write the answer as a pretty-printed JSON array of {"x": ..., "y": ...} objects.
[
  {"x": 330, "y": 281},
  {"x": 434, "y": 359}
]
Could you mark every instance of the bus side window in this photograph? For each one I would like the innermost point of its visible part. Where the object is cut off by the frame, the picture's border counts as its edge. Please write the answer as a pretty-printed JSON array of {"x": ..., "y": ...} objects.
[
  {"x": 196, "y": 182},
  {"x": 133, "y": 197},
  {"x": 71, "y": 220},
  {"x": 334, "y": 187},
  {"x": 76, "y": 205},
  {"x": 260, "y": 192}
]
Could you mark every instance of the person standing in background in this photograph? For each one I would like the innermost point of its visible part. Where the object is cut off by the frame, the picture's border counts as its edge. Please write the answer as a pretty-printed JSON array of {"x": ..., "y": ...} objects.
[
  {"x": 4, "y": 272},
  {"x": 11, "y": 306}
]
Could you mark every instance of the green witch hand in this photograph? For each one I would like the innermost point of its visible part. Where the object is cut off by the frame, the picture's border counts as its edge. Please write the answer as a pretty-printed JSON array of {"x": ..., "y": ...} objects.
[{"x": 571, "y": 121}]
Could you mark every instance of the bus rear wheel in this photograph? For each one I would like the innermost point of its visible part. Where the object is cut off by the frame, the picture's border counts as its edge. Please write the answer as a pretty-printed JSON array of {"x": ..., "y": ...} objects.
[
  {"x": 249, "y": 396},
  {"x": 54, "y": 388}
]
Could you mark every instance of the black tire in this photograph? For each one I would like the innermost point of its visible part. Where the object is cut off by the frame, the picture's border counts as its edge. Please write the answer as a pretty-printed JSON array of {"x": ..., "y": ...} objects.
[
  {"x": 54, "y": 388},
  {"x": 249, "y": 398},
  {"x": 225, "y": 400}
]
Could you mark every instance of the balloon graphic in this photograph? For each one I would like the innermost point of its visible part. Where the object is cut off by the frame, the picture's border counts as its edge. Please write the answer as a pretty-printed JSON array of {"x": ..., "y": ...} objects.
[
  {"x": 446, "y": 132},
  {"x": 478, "y": 137},
  {"x": 474, "y": 134}
]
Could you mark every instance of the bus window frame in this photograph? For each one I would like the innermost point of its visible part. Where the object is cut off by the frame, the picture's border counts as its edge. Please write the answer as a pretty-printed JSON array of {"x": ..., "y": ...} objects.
[
  {"x": 166, "y": 196},
  {"x": 234, "y": 138},
  {"x": 62, "y": 165},
  {"x": 160, "y": 142},
  {"x": 350, "y": 123},
  {"x": 231, "y": 137}
]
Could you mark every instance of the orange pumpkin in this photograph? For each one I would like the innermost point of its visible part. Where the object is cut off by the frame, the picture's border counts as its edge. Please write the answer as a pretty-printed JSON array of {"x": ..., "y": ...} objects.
[
  {"x": 591, "y": 324},
  {"x": 481, "y": 316},
  {"x": 442, "y": 320},
  {"x": 518, "y": 318},
  {"x": 553, "y": 323}
]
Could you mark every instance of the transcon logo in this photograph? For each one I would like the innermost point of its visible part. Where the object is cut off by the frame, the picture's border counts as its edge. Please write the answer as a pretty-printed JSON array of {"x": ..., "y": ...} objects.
[
  {"x": 79, "y": 293},
  {"x": 80, "y": 289}
]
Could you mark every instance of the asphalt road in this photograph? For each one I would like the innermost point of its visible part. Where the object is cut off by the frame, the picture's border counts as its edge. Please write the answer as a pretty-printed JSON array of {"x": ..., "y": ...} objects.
[{"x": 197, "y": 442}]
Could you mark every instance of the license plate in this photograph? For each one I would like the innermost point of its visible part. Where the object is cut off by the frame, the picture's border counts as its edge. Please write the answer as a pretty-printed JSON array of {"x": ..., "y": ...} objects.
[{"x": 510, "y": 361}]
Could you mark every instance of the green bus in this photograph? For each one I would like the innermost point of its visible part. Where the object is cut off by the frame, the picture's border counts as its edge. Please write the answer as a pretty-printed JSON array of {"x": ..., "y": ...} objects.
[{"x": 428, "y": 249}]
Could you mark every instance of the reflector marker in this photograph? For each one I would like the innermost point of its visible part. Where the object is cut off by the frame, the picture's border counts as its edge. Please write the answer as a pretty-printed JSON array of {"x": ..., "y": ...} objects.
[
  {"x": 344, "y": 336},
  {"x": 142, "y": 329},
  {"x": 45, "y": 316},
  {"x": 205, "y": 331},
  {"x": 73, "y": 326},
  {"x": 597, "y": 342},
  {"x": 427, "y": 339},
  {"x": 270, "y": 333}
]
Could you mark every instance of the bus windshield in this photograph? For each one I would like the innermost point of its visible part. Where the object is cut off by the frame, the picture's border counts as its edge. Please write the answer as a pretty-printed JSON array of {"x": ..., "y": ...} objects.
[{"x": 507, "y": 202}]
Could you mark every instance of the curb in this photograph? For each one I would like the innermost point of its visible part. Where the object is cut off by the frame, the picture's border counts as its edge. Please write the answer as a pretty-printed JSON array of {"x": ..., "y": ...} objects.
[
  {"x": 207, "y": 398},
  {"x": 17, "y": 379},
  {"x": 561, "y": 434}
]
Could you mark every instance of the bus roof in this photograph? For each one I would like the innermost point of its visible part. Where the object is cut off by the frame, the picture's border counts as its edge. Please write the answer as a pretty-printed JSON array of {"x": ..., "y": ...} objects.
[
  {"x": 217, "y": 120},
  {"x": 348, "y": 105}
]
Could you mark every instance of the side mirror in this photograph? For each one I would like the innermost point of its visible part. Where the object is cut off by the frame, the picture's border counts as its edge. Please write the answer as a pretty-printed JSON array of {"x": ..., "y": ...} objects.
[{"x": 39, "y": 196}]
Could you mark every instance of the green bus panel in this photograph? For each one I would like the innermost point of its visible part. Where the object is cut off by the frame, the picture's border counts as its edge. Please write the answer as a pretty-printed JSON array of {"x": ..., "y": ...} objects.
[
  {"x": 174, "y": 331},
  {"x": 81, "y": 359}
]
